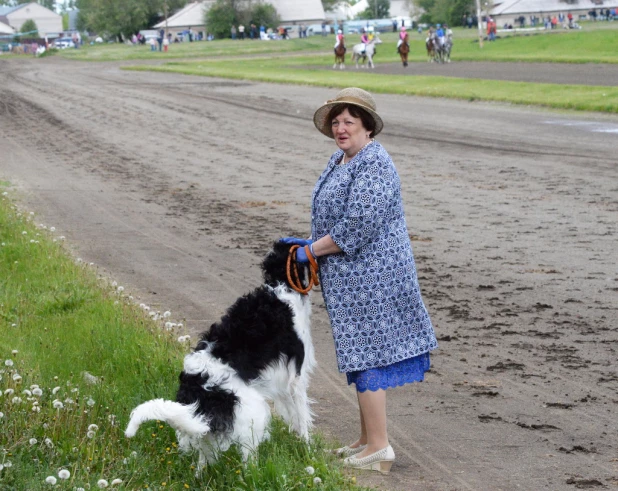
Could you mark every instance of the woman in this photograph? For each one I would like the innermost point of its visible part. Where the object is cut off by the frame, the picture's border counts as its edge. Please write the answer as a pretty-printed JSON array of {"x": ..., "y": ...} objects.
[
  {"x": 381, "y": 327},
  {"x": 339, "y": 39}
]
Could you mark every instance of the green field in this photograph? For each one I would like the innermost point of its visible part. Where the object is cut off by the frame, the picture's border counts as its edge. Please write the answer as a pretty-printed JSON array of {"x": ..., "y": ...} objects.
[
  {"x": 307, "y": 61},
  {"x": 77, "y": 354}
]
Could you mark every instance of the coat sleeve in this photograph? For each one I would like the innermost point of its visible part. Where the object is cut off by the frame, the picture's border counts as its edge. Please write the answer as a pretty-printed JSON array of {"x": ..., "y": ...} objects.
[{"x": 367, "y": 207}]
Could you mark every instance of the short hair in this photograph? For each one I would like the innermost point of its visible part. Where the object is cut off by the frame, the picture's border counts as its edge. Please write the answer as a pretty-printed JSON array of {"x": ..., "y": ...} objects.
[{"x": 358, "y": 112}]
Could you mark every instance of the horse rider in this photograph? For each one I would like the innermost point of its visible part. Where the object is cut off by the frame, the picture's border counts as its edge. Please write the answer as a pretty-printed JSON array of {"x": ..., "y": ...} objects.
[
  {"x": 448, "y": 33},
  {"x": 440, "y": 35},
  {"x": 402, "y": 36},
  {"x": 338, "y": 40},
  {"x": 365, "y": 40},
  {"x": 371, "y": 37},
  {"x": 430, "y": 34}
]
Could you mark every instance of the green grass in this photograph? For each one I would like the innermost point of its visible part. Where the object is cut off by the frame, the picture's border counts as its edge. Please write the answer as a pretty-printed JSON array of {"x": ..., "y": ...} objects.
[
  {"x": 579, "y": 97},
  {"x": 59, "y": 322},
  {"x": 585, "y": 46}
]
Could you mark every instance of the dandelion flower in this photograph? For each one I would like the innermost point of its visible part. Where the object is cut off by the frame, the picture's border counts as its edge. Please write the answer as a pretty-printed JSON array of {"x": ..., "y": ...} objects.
[
  {"x": 58, "y": 404},
  {"x": 64, "y": 474},
  {"x": 116, "y": 481},
  {"x": 52, "y": 229},
  {"x": 134, "y": 454},
  {"x": 90, "y": 434},
  {"x": 55, "y": 390},
  {"x": 16, "y": 400},
  {"x": 167, "y": 314},
  {"x": 317, "y": 481},
  {"x": 114, "y": 284},
  {"x": 93, "y": 427},
  {"x": 51, "y": 480},
  {"x": 37, "y": 392},
  {"x": 49, "y": 443},
  {"x": 8, "y": 464},
  {"x": 8, "y": 363},
  {"x": 8, "y": 392},
  {"x": 90, "y": 379},
  {"x": 120, "y": 289},
  {"x": 32, "y": 441},
  {"x": 310, "y": 470},
  {"x": 169, "y": 325},
  {"x": 1, "y": 415},
  {"x": 17, "y": 378},
  {"x": 90, "y": 402},
  {"x": 102, "y": 483},
  {"x": 26, "y": 392},
  {"x": 14, "y": 352},
  {"x": 80, "y": 489},
  {"x": 36, "y": 409}
]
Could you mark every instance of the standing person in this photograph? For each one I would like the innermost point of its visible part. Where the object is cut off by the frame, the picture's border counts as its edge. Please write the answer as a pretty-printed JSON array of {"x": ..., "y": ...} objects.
[
  {"x": 241, "y": 32},
  {"x": 153, "y": 44},
  {"x": 381, "y": 328},
  {"x": 233, "y": 32},
  {"x": 160, "y": 39},
  {"x": 166, "y": 43}
]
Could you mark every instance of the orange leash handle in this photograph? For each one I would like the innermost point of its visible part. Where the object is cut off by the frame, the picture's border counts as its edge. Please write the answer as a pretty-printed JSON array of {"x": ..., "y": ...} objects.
[{"x": 292, "y": 271}]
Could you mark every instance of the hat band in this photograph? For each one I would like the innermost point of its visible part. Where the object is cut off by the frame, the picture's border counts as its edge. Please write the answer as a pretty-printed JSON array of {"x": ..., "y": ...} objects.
[{"x": 352, "y": 100}]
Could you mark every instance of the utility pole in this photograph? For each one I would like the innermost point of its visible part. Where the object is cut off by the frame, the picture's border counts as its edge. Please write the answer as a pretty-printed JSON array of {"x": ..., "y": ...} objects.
[
  {"x": 479, "y": 22},
  {"x": 165, "y": 8}
]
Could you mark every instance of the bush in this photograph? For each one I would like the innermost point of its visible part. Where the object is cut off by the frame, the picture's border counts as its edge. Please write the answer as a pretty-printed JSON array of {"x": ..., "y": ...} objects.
[{"x": 30, "y": 27}]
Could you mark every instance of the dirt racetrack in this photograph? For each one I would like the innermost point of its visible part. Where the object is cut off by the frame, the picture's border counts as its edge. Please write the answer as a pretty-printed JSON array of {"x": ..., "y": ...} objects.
[{"x": 175, "y": 186}]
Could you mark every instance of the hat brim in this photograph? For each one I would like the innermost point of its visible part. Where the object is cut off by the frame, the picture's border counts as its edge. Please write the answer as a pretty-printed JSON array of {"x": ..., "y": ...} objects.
[{"x": 324, "y": 126}]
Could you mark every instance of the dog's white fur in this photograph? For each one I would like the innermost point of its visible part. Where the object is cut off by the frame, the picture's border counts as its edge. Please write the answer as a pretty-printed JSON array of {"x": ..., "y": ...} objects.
[{"x": 279, "y": 383}]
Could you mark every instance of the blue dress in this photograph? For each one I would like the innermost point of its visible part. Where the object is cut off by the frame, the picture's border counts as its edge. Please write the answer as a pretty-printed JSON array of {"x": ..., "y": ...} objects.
[{"x": 371, "y": 288}]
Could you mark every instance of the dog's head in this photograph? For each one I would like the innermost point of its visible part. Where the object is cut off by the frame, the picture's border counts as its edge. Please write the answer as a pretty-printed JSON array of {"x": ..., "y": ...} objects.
[{"x": 274, "y": 266}]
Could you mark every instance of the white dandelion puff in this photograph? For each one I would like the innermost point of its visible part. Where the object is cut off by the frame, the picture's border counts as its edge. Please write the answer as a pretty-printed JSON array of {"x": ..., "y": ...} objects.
[
  {"x": 14, "y": 352},
  {"x": 51, "y": 480},
  {"x": 102, "y": 483},
  {"x": 9, "y": 392},
  {"x": 49, "y": 443},
  {"x": 90, "y": 402},
  {"x": 64, "y": 474},
  {"x": 16, "y": 400},
  {"x": 17, "y": 378},
  {"x": 37, "y": 392},
  {"x": 93, "y": 427},
  {"x": 90, "y": 434},
  {"x": 134, "y": 454},
  {"x": 317, "y": 481},
  {"x": 115, "y": 482},
  {"x": 91, "y": 379},
  {"x": 27, "y": 392},
  {"x": 52, "y": 229},
  {"x": 114, "y": 284},
  {"x": 167, "y": 314},
  {"x": 36, "y": 409},
  {"x": 310, "y": 470},
  {"x": 120, "y": 289},
  {"x": 57, "y": 404},
  {"x": 1, "y": 415},
  {"x": 8, "y": 363},
  {"x": 24, "y": 233},
  {"x": 33, "y": 441},
  {"x": 8, "y": 464},
  {"x": 55, "y": 390}
]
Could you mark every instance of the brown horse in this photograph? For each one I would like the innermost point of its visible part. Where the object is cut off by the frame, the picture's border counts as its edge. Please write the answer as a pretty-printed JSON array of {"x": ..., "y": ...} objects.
[
  {"x": 433, "y": 48},
  {"x": 340, "y": 56},
  {"x": 403, "y": 50}
]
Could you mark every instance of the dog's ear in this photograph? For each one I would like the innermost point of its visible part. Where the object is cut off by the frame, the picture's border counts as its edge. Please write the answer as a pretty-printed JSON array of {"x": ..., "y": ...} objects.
[{"x": 274, "y": 266}]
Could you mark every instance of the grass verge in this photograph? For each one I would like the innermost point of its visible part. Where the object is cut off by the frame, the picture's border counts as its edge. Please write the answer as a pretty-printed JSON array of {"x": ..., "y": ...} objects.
[
  {"x": 76, "y": 355},
  {"x": 579, "y": 97}
]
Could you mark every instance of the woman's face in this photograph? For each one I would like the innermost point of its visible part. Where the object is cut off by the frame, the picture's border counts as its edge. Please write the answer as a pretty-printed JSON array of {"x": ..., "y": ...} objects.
[{"x": 349, "y": 132}]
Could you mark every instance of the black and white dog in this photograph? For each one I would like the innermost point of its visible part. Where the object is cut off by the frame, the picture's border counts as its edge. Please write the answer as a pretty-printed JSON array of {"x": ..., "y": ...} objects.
[{"x": 260, "y": 351}]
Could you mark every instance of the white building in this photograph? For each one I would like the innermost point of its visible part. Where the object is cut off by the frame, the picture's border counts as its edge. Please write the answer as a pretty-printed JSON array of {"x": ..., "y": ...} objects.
[
  {"x": 508, "y": 11},
  {"x": 48, "y": 23},
  {"x": 290, "y": 12}
]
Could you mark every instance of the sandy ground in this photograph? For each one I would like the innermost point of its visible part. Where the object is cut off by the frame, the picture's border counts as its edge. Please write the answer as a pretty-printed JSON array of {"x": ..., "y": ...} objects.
[{"x": 175, "y": 186}]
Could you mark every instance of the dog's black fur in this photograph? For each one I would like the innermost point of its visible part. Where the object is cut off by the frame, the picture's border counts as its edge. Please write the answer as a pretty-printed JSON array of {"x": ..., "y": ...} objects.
[{"x": 256, "y": 334}]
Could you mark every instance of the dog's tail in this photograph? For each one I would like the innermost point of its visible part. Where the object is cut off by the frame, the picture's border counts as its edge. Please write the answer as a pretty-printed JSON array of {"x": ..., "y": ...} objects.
[{"x": 181, "y": 417}]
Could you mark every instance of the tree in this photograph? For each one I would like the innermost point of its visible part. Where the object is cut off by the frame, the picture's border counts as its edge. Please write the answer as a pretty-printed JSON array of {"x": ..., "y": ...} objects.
[
  {"x": 377, "y": 9},
  {"x": 220, "y": 18},
  {"x": 122, "y": 17},
  {"x": 30, "y": 27},
  {"x": 265, "y": 14},
  {"x": 444, "y": 11},
  {"x": 330, "y": 4}
]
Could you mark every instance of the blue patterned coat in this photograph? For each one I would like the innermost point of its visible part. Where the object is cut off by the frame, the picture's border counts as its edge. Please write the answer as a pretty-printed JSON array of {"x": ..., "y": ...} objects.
[{"x": 370, "y": 289}]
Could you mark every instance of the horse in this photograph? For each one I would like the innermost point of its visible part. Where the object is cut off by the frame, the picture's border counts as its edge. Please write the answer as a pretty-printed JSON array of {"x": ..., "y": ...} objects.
[
  {"x": 448, "y": 45},
  {"x": 365, "y": 52},
  {"x": 433, "y": 49},
  {"x": 403, "y": 50},
  {"x": 340, "y": 56}
]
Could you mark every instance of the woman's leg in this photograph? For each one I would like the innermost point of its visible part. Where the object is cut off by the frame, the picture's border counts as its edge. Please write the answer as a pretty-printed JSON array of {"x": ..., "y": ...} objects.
[{"x": 373, "y": 421}]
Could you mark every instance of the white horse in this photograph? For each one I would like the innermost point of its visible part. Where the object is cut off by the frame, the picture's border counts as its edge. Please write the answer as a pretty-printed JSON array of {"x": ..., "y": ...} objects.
[{"x": 359, "y": 51}]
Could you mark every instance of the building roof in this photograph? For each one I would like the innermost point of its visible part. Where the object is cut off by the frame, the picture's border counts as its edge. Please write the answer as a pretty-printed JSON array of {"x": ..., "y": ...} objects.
[
  {"x": 288, "y": 10},
  {"x": 510, "y": 7},
  {"x": 7, "y": 10},
  {"x": 299, "y": 10},
  {"x": 5, "y": 28},
  {"x": 191, "y": 15}
]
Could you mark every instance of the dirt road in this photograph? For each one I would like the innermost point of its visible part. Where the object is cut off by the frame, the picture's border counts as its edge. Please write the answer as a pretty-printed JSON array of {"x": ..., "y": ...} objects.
[{"x": 176, "y": 185}]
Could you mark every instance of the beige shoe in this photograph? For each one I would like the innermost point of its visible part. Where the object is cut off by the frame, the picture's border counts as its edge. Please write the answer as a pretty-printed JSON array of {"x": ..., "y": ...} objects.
[
  {"x": 380, "y": 461},
  {"x": 347, "y": 451}
]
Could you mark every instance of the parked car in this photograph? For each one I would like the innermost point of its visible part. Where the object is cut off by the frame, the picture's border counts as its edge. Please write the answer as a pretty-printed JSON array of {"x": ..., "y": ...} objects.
[{"x": 63, "y": 43}]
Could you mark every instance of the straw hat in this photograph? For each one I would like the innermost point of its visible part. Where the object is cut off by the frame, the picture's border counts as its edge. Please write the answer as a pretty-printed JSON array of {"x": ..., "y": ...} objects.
[{"x": 351, "y": 95}]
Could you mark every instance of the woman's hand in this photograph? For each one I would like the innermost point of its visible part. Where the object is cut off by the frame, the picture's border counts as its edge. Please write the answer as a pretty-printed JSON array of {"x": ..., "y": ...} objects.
[
  {"x": 296, "y": 241},
  {"x": 301, "y": 255}
]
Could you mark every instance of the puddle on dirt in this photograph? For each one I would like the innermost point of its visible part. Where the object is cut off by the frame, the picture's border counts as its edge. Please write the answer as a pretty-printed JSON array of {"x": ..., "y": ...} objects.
[{"x": 588, "y": 125}]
